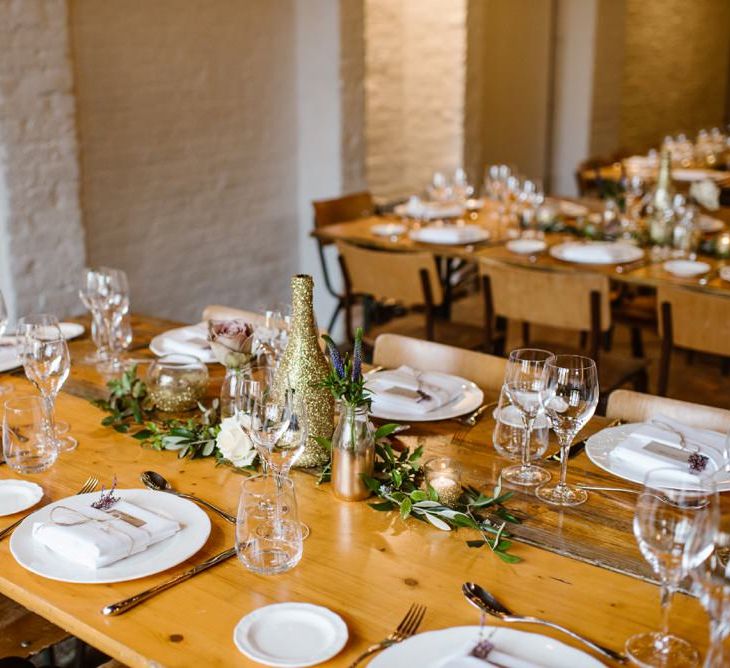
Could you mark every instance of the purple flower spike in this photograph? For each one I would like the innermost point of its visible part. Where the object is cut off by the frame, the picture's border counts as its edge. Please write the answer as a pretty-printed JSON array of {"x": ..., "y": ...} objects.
[
  {"x": 337, "y": 364},
  {"x": 357, "y": 356}
]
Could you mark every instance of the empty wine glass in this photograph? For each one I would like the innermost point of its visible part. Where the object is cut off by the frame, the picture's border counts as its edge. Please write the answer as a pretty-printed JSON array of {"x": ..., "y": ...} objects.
[
  {"x": 570, "y": 398},
  {"x": 47, "y": 363},
  {"x": 268, "y": 532},
  {"x": 711, "y": 583},
  {"x": 524, "y": 381},
  {"x": 670, "y": 509},
  {"x": 289, "y": 446},
  {"x": 4, "y": 387},
  {"x": 90, "y": 295},
  {"x": 25, "y": 446}
]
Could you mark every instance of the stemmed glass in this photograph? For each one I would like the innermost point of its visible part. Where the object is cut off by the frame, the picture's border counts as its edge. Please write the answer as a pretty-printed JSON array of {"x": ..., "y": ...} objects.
[
  {"x": 670, "y": 510},
  {"x": 570, "y": 398},
  {"x": 47, "y": 363},
  {"x": 4, "y": 387},
  {"x": 711, "y": 583},
  {"x": 524, "y": 383}
]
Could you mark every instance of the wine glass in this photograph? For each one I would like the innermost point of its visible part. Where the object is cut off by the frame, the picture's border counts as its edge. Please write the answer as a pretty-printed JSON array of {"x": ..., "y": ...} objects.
[
  {"x": 47, "y": 363},
  {"x": 671, "y": 508},
  {"x": 524, "y": 381},
  {"x": 90, "y": 295},
  {"x": 289, "y": 446},
  {"x": 4, "y": 387},
  {"x": 25, "y": 446},
  {"x": 711, "y": 582},
  {"x": 570, "y": 398}
]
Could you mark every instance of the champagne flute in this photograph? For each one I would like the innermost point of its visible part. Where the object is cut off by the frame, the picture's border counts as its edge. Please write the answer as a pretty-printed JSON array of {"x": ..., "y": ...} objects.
[
  {"x": 47, "y": 363},
  {"x": 671, "y": 509},
  {"x": 570, "y": 398},
  {"x": 4, "y": 387},
  {"x": 524, "y": 381}
]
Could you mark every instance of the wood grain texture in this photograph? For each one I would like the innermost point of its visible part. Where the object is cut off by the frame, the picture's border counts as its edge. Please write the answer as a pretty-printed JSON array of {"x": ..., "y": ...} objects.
[{"x": 365, "y": 565}]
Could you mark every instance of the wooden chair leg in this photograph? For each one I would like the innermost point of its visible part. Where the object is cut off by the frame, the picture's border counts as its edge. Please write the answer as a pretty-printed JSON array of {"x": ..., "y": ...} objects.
[
  {"x": 667, "y": 345},
  {"x": 349, "y": 331},
  {"x": 608, "y": 339},
  {"x": 637, "y": 342},
  {"x": 583, "y": 340},
  {"x": 641, "y": 381},
  {"x": 526, "y": 334}
]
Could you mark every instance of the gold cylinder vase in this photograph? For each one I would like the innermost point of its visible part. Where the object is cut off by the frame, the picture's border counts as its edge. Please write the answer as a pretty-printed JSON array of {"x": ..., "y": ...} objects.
[{"x": 303, "y": 367}]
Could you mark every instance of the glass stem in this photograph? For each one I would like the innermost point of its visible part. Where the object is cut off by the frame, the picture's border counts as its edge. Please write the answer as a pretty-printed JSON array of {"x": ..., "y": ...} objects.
[
  {"x": 49, "y": 401},
  {"x": 565, "y": 442},
  {"x": 526, "y": 441},
  {"x": 667, "y": 593},
  {"x": 715, "y": 652}
]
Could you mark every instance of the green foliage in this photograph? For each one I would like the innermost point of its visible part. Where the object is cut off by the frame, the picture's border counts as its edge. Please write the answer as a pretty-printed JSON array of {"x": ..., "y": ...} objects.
[
  {"x": 345, "y": 380},
  {"x": 128, "y": 403}
]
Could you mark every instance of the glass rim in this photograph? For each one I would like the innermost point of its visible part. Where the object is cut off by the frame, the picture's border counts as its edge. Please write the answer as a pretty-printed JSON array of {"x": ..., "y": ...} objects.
[
  {"x": 585, "y": 361},
  {"x": 24, "y": 402},
  {"x": 699, "y": 484},
  {"x": 258, "y": 477},
  {"x": 449, "y": 462},
  {"x": 184, "y": 359},
  {"x": 514, "y": 355}
]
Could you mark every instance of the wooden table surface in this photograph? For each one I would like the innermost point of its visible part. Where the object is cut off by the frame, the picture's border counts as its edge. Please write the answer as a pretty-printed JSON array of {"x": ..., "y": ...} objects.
[
  {"x": 365, "y": 565},
  {"x": 650, "y": 275}
]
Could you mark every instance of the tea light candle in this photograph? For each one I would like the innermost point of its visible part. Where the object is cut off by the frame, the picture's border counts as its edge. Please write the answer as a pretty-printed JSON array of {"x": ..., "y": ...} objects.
[{"x": 444, "y": 476}]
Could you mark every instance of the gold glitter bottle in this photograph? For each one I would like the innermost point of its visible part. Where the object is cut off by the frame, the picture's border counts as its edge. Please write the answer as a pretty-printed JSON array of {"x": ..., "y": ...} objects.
[{"x": 303, "y": 367}]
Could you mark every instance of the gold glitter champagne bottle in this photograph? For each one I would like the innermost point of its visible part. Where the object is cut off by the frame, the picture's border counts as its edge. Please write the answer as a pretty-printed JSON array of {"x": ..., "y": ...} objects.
[{"x": 303, "y": 367}]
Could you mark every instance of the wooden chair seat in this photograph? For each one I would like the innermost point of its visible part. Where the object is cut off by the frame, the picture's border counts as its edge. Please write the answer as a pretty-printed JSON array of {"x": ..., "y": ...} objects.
[{"x": 23, "y": 633}]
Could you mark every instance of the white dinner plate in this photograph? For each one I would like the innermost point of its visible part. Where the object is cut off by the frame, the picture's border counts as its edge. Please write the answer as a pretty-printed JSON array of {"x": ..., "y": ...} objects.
[
  {"x": 691, "y": 174},
  {"x": 290, "y": 634},
  {"x": 17, "y": 495},
  {"x": 686, "y": 268},
  {"x": 388, "y": 229},
  {"x": 709, "y": 224},
  {"x": 434, "y": 648},
  {"x": 596, "y": 252},
  {"x": 526, "y": 246},
  {"x": 572, "y": 209},
  {"x": 159, "y": 557},
  {"x": 189, "y": 340},
  {"x": 725, "y": 273},
  {"x": 469, "y": 400},
  {"x": 601, "y": 444},
  {"x": 429, "y": 210},
  {"x": 9, "y": 356},
  {"x": 450, "y": 235}
]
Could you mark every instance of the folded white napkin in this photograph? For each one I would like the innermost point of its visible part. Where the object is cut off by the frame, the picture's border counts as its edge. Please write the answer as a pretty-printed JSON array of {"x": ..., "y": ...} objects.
[
  {"x": 190, "y": 340},
  {"x": 418, "y": 208},
  {"x": 450, "y": 234},
  {"x": 398, "y": 389},
  {"x": 657, "y": 444},
  {"x": 462, "y": 659},
  {"x": 95, "y": 538}
]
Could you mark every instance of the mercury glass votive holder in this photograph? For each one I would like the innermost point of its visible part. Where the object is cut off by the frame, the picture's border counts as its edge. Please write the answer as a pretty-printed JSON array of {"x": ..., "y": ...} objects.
[
  {"x": 444, "y": 475},
  {"x": 177, "y": 382}
]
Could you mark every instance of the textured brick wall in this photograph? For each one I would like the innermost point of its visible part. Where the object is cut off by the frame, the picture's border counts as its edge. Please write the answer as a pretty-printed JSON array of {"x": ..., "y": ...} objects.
[
  {"x": 41, "y": 237},
  {"x": 188, "y": 122},
  {"x": 415, "y": 55},
  {"x": 676, "y": 68}
]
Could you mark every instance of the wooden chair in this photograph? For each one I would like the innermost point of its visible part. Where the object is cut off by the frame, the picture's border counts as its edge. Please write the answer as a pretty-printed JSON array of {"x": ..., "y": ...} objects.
[
  {"x": 692, "y": 320},
  {"x": 589, "y": 178},
  {"x": 393, "y": 350},
  {"x": 338, "y": 210},
  {"x": 564, "y": 300},
  {"x": 637, "y": 407},
  {"x": 25, "y": 634},
  {"x": 410, "y": 279}
]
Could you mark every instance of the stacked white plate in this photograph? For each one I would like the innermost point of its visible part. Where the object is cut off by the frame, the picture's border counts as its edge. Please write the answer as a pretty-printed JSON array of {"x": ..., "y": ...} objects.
[
  {"x": 450, "y": 235},
  {"x": 596, "y": 252}
]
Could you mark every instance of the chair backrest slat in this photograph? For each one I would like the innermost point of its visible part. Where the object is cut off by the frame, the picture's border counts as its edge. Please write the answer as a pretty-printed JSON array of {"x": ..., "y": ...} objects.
[
  {"x": 700, "y": 321},
  {"x": 393, "y": 350},
  {"x": 342, "y": 209},
  {"x": 386, "y": 275}
]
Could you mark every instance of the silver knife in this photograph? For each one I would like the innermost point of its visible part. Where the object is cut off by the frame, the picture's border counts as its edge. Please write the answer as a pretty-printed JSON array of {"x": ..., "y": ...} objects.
[{"x": 128, "y": 603}]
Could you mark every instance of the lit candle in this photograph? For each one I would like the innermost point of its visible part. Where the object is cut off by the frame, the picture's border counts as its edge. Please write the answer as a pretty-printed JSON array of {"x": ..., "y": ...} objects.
[{"x": 443, "y": 475}]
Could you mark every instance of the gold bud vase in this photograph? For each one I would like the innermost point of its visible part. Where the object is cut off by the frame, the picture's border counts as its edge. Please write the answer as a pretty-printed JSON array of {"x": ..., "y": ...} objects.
[{"x": 303, "y": 367}]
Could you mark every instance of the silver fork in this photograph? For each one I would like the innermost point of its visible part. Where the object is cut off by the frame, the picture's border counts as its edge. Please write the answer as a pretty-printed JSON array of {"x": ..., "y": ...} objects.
[
  {"x": 87, "y": 487},
  {"x": 471, "y": 419},
  {"x": 407, "y": 627}
]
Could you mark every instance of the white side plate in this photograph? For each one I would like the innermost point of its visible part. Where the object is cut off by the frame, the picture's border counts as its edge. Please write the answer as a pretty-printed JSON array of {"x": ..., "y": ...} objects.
[
  {"x": 161, "y": 556},
  {"x": 17, "y": 495},
  {"x": 290, "y": 634}
]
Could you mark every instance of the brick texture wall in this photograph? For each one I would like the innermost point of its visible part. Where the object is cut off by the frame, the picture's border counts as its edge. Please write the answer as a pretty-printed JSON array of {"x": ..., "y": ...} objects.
[{"x": 41, "y": 236}]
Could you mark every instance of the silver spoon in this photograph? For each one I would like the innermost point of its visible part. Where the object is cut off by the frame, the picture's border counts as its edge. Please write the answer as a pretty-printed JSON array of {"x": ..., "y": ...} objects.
[
  {"x": 159, "y": 483},
  {"x": 484, "y": 601}
]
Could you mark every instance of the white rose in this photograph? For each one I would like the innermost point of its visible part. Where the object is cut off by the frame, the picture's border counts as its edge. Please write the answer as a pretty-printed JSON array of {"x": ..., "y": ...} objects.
[
  {"x": 234, "y": 444},
  {"x": 706, "y": 193}
]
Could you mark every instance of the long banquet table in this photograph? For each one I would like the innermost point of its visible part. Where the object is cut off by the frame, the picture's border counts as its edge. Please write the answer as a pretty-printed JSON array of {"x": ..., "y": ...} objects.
[
  {"x": 581, "y": 567},
  {"x": 649, "y": 274}
]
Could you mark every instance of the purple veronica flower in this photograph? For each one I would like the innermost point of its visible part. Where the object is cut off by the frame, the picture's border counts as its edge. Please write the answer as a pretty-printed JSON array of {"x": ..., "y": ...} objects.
[{"x": 335, "y": 356}]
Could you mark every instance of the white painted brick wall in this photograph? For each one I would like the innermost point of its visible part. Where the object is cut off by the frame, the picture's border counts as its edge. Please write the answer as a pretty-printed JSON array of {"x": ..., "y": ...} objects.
[
  {"x": 41, "y": 236},
  {"x": 415, "y": 53},
  {"x": 188, "y": 121}
]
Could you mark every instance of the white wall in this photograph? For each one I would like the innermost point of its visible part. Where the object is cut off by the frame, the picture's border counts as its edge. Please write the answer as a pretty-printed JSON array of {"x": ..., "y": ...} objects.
[
  {"x": 188, "y": 123},
  {"x": 41, "y": 238},
  {"x": 415, "y": 55}
]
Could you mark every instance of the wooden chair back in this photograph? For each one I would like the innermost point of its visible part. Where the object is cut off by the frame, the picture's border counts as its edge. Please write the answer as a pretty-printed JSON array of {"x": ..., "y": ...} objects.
[
  {"x": 632, "y": 406},
  {"x": 409, "y": 278},
  {"x": 342, "y": 209},
  {"x": 561, "y": 299},
  {"x": 694, "y": 319},
  {"x": 393, "y": 350}
]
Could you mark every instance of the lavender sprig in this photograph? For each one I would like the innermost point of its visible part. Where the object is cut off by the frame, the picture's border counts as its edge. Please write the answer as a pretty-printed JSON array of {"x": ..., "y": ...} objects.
[
  {"x": 335, "y": 357},
  {"x": 345, "y": 380},
  {"x": 697, "y": 462},
  {"x": 106, "y": 499}
]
